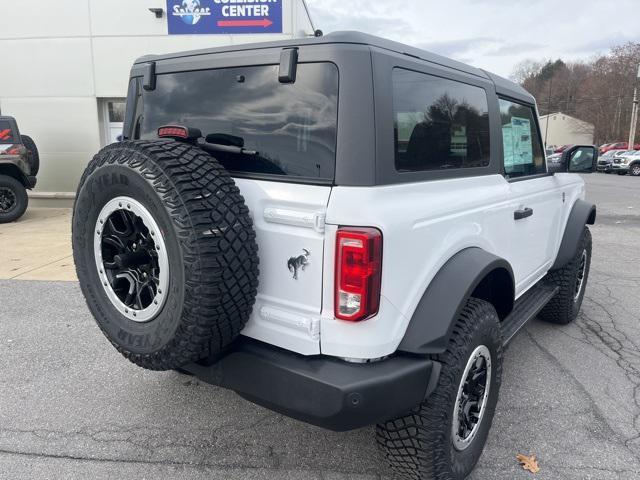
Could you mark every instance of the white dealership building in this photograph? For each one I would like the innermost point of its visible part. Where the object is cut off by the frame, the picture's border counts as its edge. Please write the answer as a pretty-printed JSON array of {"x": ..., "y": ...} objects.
[{"x": 65, "y": 64}]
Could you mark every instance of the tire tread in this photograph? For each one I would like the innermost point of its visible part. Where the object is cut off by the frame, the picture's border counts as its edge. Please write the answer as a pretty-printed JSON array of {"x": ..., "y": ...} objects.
[
  {"x": 217, "y": 242},
  {"x": 562, "y": 309},
  {"x": 416, "y": 445}
]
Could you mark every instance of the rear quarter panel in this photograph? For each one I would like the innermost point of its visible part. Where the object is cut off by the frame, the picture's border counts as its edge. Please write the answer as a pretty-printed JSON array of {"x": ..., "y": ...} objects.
[{"x": 423, "y": 225}]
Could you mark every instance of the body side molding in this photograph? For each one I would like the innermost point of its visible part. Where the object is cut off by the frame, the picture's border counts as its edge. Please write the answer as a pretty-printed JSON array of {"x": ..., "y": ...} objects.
[{"x": 470, "y": 270}]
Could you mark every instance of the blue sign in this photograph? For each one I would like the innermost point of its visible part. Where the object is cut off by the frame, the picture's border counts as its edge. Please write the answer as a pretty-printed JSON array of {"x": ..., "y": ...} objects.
[{"x": 188, "y": 17}]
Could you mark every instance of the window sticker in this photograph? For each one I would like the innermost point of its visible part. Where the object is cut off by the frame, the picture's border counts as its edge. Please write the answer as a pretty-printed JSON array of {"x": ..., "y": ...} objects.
[{"x": 516, "y": 137}]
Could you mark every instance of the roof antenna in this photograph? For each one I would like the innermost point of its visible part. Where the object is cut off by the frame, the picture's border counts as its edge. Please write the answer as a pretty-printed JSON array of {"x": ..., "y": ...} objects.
[{"x": 316, "y": 32}]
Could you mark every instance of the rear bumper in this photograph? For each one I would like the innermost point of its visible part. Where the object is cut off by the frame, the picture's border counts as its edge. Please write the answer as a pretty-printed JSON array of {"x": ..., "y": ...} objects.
[{"x": 323, "y": 391}]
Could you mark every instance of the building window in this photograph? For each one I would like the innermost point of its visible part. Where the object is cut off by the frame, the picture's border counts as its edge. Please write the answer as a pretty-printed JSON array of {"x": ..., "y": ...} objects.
[{"x": 112, "y": 118}]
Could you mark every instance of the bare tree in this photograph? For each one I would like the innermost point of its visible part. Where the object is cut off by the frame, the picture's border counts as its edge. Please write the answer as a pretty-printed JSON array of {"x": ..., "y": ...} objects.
[{"x": 598, "y": 91}]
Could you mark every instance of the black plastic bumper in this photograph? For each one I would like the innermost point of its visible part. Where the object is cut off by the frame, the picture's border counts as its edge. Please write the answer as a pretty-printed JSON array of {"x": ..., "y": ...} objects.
[{"x": 322, "y": 390}]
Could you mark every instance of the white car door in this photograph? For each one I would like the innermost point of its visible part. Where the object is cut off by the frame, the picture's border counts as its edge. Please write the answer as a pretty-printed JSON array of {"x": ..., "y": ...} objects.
[{"x": 535, "y": 196}]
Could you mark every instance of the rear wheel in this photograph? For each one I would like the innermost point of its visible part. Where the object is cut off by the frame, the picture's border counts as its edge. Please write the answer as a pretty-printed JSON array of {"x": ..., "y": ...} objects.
[
  {"x": 444, "y": 437},
  {"x": 572, "y": 280},
  {"x": 13, "y": 199},
  {"x": 33, "y": 157},
  {"x": 165, "y": 252}
]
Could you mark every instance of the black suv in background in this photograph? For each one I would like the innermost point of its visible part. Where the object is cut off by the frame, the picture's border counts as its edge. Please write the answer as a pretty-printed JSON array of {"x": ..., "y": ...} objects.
[{"x": 19, "y": 165}]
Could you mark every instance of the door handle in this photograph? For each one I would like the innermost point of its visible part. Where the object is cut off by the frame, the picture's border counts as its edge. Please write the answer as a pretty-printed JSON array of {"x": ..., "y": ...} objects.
[{"x": 524, "y": 213}]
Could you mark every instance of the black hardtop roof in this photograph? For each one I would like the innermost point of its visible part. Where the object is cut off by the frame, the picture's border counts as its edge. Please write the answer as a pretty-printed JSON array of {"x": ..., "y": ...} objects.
[{"x": 503, "y": 86}]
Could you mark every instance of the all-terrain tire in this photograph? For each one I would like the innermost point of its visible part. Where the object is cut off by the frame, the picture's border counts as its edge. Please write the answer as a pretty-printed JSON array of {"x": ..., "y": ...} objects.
[
  {"x": 420, "y": 444},
  {"x": 33, "y": 157},
  {"x": 564, "y": 307},
  {"x": 17, "y": 199},
  {"x": 210, "y": 245}
]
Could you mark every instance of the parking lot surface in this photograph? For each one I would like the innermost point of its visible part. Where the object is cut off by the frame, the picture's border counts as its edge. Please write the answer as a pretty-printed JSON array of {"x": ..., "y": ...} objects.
[
  {"x": 38, "y": 247},
  {"x": 72, "y": 407}
]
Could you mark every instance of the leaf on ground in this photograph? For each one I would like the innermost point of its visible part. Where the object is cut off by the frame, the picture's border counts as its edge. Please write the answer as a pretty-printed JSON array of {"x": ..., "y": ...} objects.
[{"x": 528, "y": 463}]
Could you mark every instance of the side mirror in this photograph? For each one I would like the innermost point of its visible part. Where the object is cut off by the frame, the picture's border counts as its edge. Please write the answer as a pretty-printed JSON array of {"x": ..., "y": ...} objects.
[{"x": 579, "y": 159}]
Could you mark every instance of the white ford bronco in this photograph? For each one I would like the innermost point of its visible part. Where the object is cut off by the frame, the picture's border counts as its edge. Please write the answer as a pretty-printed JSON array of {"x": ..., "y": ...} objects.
[{"x": 343, "y": 229}]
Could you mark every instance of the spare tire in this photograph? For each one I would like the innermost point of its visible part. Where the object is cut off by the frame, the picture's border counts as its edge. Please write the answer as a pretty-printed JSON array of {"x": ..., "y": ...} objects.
[
  {"x": 165, "y": 252},
  {"x": 33, "y": 157}
]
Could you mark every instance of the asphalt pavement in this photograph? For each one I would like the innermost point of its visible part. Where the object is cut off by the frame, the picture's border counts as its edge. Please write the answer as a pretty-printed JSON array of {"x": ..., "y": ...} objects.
[{"x": 72, "y": 408}]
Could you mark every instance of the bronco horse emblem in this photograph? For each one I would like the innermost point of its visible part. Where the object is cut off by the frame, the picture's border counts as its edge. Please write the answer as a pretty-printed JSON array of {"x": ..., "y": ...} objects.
[{"x": 295, "y": 264}]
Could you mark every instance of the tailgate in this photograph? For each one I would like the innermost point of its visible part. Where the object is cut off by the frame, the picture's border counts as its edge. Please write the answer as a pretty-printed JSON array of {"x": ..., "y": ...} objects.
[{"x": 289, "y": 223}]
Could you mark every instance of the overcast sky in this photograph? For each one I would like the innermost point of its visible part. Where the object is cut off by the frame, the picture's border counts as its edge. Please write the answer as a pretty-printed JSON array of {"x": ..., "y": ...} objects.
[{"x": 490, "y": 34}]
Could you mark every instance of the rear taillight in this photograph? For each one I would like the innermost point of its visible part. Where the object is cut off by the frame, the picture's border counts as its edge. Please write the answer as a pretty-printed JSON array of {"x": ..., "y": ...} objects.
[{"x": 358, "y": 273}]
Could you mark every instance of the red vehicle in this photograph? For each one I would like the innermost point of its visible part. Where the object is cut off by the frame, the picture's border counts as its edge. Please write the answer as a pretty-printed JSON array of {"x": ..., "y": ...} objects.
[
  {"x": 561, "y": 148},
  {"x": 603, "y": 146},
  {"x": 618, "y": 146}
]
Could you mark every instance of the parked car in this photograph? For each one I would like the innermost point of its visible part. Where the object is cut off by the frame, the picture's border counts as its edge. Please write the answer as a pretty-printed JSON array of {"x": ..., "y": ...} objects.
[
  {"x": 396, "y": 260},
  {"x": 627, "y": 162},
  {"x": 19, "y": 165},
  {"x": 602, "y": 147},
  {"x": 620, "y": 146},
  {"x": 554, "y": 158},
  {"x": 605, "y": 160},
  {"x": 561, "y": 148}
]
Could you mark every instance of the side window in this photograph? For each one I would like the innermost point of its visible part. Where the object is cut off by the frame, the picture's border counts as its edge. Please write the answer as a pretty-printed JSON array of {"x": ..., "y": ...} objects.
[
  {"x": 581, "y": 160},
  {"x": 520, "y": 140},
  {"x": 438, "y": 123},
  {"x": 6, "y": 134}
]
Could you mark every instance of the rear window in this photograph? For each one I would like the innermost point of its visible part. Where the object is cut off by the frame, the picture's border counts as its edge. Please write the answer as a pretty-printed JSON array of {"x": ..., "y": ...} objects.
[
  {"x": 292, "y": 127},
  {"x": 6, "y": 134}
]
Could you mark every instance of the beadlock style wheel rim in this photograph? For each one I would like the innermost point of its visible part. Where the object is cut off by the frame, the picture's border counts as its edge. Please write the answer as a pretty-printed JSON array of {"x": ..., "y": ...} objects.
[
  {"x": 7, "y": 200},
  {"x": 471, "y": 401},
  {"x": 131, "y": 258},
  {"x": 580, "y": 279}
]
